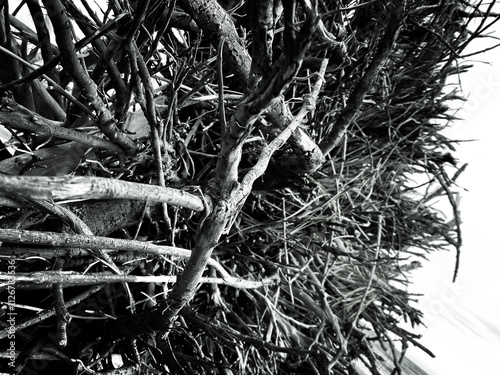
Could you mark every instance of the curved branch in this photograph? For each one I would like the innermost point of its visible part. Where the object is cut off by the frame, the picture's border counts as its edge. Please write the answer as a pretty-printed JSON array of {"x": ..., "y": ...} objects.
[
  {"x": 308, "y": 106},
  {"x": 105, "y": 119},
  {"x": 216, "y": 24}
]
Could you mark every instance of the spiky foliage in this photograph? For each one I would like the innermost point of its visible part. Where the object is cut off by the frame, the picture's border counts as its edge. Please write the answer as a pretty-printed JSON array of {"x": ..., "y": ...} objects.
[{"x": 329, "y": 239}]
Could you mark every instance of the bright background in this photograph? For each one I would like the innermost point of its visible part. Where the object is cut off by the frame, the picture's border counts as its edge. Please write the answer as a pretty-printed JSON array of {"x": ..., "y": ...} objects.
[{"x": 463, "y": 318}]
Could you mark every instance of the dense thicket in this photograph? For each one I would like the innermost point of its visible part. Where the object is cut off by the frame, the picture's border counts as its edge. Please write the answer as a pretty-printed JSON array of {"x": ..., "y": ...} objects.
[{"x": 237, "y": 187}]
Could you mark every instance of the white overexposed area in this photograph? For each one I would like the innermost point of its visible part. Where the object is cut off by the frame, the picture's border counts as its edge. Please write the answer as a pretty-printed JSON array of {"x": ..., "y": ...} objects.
[{"x": 462, "y": 318}]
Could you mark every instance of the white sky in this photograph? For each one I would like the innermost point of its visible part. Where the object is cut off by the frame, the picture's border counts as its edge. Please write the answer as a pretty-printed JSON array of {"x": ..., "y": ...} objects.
[{"x": 463, "y": 319}]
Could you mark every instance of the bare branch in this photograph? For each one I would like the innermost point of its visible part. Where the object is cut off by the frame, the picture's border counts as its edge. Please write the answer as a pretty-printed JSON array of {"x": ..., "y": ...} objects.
[
  {"x": 83, "y": 188},
  {"x": 105, "y": 119},
  {"x": 71, "y": 278}
]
